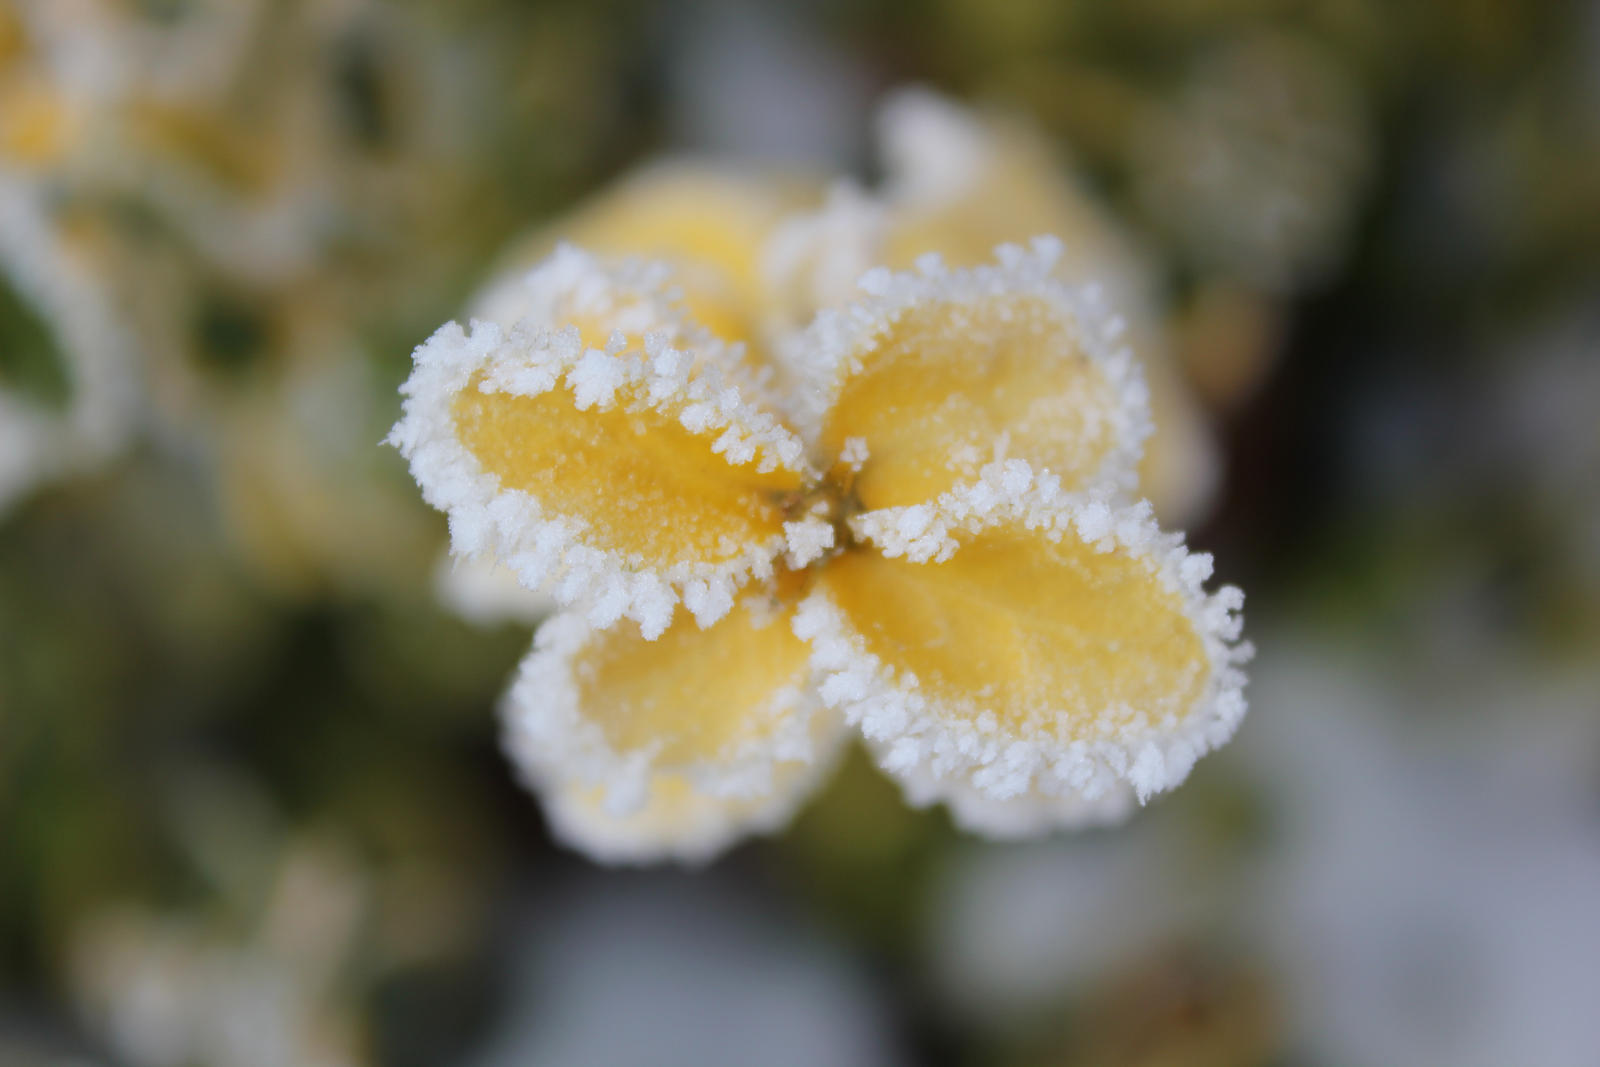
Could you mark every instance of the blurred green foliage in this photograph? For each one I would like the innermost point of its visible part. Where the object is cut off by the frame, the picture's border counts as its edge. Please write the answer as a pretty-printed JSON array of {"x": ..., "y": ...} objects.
[{"x": 173, "y": 709}]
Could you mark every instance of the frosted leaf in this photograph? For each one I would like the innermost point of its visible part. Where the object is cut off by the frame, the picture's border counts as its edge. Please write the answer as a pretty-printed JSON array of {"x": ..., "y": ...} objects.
[
  {"x": 712, "y": 225},
  {"x": 959, "y": 181},
  {"x": 675, "y": 821},
  {"x": 941, "y": 371},
  {"x": 1029, "y": 645},
  {"x": 673, "y": 747},
  {"x": 593, "y": 456}
]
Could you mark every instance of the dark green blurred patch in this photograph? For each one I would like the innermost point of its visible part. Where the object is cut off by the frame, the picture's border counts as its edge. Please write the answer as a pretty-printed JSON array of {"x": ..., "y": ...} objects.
[
  {"x": 862, "y": 855},
  {"x": 103, "y": 589},
  {"x": 362, "y": 88},
  {"x": 165, "y": 11},
  {"x": 31, "y": 363},
  {"x": 233, "y": 333}
]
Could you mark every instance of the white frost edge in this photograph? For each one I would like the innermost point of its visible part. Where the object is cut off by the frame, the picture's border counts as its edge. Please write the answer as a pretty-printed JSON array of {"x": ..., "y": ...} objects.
[
  {"x": 1006, "y": 490},
  {"x": 937, "y": 152},
  {"x": 717, "y": 824},
  {"x": 831, "y": 350},
  {"x": 815, "y": 257},
  {"x": 38, "y": 445},
  {"x": 748, "y": 195},
  {"x": 556, "y": 750},
  {"x": 917, "y": 744},
  {"x": 1033, "y": 814},
  {"x": 547, "y": 552},
  {"x": 811, "y": 261}
]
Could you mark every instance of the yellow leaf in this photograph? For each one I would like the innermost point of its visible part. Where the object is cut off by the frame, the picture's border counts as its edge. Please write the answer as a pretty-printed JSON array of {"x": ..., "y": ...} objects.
[
  {"x": 624, "y": 473},
  {"x": 711, "y": 224},
  {"x": 676, "y": 822},
  {"x": 944, "y": 372},
  {"x": 959, "y": 183},
  {"x": 671, "y": 746},
  {"x": 1056, "y": 646},
  {"x": 646, "y": 487}
]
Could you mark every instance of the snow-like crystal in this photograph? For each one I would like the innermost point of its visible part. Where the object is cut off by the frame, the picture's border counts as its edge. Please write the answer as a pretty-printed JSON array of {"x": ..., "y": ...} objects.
[{"x": 809, "y": 540}]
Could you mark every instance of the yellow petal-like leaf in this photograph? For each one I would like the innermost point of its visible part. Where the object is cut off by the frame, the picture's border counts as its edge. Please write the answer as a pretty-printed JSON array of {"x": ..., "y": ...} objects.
[
  {"x": 621, "y": 472},
  {"x": 710, "y": 223},
  {"x": 675, "y": 820},
  {"x": 672, "y": 747},
  {"x": 1055, "y": 646},
  {"x": 939, "y": 373},
  {"x": 959, "y": 183}
]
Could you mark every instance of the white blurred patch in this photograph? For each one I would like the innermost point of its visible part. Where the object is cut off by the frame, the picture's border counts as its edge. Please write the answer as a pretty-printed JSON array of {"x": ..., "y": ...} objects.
[
  {"x": 748, "y": 80},
  {"x": 484, "y": 593},
  {"x": 1432, "y": 898},
  {"x": 1020, "y": 926},
  {"x": 676, "y": 971}
]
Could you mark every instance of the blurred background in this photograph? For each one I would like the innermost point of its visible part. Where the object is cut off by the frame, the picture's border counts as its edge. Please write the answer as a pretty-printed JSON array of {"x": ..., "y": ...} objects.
[{"x": 253, "y": 810}]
